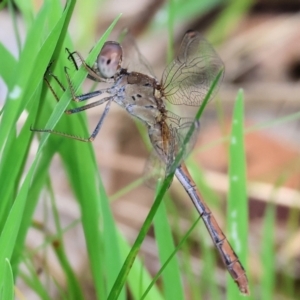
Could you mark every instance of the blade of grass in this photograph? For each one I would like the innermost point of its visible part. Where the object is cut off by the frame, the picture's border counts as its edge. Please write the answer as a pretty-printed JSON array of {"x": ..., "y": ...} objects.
[
  {"x": 3, "y": 3},
  {"x": 136, "y": 280},
  {"x": 189, "y": 9},
  {"x": 32, "y": 65},
  {"x": 237, "y": 195},
  {"x": 166, "y": 263},
  {"x": 119, "y": 283},
  {"x": 171, "y": 17},
  {"x": 73, "y": 287},
  {"x": 33, "y": 281},
  {"x": 268, "y": 254},
  {"x": 172, "y": 284},
  {"x": 15, "y": 216},
  {"x": 16, "y": 149},
  {"x": 26, "y": 9},
  {"x": 8, "y": 285},
  {"x": 8, "y": 64},
  {"x": 228, "y": 19}
]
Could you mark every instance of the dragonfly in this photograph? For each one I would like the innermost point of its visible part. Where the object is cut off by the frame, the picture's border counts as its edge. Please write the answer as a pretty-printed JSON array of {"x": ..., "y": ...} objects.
[{"x": 185, "y": 82}]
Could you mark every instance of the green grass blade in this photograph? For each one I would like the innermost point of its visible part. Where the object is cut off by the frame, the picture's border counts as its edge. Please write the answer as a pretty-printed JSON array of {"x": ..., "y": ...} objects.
[
  {"x": 15, "y": 216},
  {"x": 84, "y": 181},
  {"x": 15, "y": 154},
  {"x": 268, "y": 254},
  {"x": 115, "y": 291},
  {"x": 32, "y": 280},
  {"x": 172, "y": 285},
  {"x": 33, "y": 62},
  {"x": 8, "y": 284},
  {"x": 228, "y": 19},
  {"x": 113, "y": 261},
  {"x": 171, "y": 18},
  {"x": 73, "y": 287},
  {"x": 12, "y": 224},
  {"x": 237, "y": 197},
  {"x": 164, "y": 266},
  {"x": 138, "y": 271},
  {"x": 8, "y": 64}
]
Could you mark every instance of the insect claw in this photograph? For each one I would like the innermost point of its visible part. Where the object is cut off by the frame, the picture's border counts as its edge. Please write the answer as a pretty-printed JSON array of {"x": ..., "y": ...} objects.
[{"x": 48, "y": 68}]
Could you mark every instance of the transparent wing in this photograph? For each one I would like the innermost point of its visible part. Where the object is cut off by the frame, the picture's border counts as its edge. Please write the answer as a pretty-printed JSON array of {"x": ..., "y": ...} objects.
[
  {"x": 178, "y": 139},
  {"x": 189, "y": 76},
  {"x": 168, "y": 145},
  {"x": 133, "y": 60},
  {"x": 154, "y": 170}
]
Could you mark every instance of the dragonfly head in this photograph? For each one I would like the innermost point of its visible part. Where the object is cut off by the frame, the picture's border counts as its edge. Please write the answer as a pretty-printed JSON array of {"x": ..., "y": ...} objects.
[{"x": 109, "y": 59}]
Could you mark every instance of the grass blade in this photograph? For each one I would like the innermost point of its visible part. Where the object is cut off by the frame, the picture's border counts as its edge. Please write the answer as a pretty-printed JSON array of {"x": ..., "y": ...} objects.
[
  {"x": 183, "y": 240},
  {"x": 8, "y": 285},
  {"x": 138, "y": 271},
  {"x": 9, "y": 235},
  {"x": 172, "y": 284},
  {"x": 115, "y": 291},
  {"x": 268, "y": 254},
  {"x": 237, "y": 197}
]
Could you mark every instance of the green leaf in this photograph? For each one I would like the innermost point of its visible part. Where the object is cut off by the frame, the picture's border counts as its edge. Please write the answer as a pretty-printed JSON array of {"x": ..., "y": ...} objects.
[
  {"x": 13, "y": 219},
  {"x": 237, "y": 197},
  {"x": 8, "y": 284},
  {"x": 268, "y": 260},
  {"x": 172, "y": 285}
]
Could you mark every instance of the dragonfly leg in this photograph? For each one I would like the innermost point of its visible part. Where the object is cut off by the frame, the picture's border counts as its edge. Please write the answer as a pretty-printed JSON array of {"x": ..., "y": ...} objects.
[
  {"x": 98, "y": 126},
  {"x": 82, "y": 97},
  {"x": 92, "y": 73},
  {"x": 91, "y": 137},
  {"x": 88, "y": 106},
  {"x": 48, "y": 72},
  {"x": 75, "y": 98}
]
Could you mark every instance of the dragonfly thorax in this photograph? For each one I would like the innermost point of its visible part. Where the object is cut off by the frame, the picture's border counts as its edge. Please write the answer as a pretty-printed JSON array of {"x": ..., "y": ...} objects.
[{"x": 141, "y": 79}]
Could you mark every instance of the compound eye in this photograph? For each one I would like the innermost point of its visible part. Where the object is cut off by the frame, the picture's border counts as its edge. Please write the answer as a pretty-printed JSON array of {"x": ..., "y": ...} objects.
[{"x": 109, "y": 59}]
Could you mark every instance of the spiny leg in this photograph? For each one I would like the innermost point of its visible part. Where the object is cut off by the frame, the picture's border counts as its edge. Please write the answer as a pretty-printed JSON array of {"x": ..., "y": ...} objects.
[
  {"x": 75, "y": 98},
  {"x": 48, "y": 72},
  {"x": 91, "y": 137},
  {"x": 92, "y": 72},
  {"x": 88, "y": 106},
  {"x": 86, "y": 96},
  {"x": 98, "y": 126}
]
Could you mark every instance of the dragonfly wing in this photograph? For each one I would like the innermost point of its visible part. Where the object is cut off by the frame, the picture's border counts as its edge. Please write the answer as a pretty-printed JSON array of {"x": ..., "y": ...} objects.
[
  {"x": 183, "y": 130},
  {"x": 154, "y": 170},
  {"x": 180, "y": 127},
  {"x": 133, "y": 60},
  {"x": 188, "y": 78}
]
